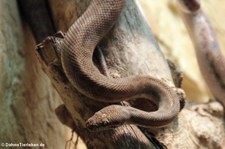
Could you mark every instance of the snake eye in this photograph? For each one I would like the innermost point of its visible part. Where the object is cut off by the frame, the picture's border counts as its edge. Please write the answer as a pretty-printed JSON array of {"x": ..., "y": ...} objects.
[{"x": 190, "y": 5}]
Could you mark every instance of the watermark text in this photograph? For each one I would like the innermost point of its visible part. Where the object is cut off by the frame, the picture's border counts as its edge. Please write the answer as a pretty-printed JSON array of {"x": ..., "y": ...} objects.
[{"x": 31, "y": 145}]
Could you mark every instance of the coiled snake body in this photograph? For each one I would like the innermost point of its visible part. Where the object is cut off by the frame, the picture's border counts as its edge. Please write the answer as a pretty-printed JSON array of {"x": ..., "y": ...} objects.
[{"x": 76, "y": 56}]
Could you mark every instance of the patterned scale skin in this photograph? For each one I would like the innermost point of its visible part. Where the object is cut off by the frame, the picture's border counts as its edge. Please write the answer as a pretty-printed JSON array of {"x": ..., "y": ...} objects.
[{"x": 77, "y": 51}]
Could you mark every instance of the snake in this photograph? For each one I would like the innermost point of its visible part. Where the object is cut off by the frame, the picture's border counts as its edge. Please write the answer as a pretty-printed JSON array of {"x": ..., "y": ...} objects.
[
  {"x": 77, "y": 51},
  {"x": 209, "y": 56}
]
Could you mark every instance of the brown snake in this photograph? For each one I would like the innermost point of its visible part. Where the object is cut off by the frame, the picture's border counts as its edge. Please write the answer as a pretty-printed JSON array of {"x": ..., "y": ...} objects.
[
  {"x": 77, "y": 52},
  {"x": 210, "y": 59}
]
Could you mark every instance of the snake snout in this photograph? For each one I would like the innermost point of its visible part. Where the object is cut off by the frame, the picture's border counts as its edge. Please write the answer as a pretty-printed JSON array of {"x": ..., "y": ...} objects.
[
  {"x": 109, "y": 117},
  {"x": 98, "y": 121}
]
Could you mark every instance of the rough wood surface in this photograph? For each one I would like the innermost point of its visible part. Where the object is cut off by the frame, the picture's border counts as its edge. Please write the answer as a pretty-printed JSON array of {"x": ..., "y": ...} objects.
[
  {"x": 129, "y": 50},
  {"x": 129, "y": 45},
  {"x": 28, "y": 100},
  {"x": 199, "y": 127}
]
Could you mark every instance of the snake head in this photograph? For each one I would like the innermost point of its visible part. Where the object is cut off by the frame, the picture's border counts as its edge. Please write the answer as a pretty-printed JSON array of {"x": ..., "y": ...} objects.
[
  {"x": 109, "y": 117},
  {"x": 189, "y": 6}
]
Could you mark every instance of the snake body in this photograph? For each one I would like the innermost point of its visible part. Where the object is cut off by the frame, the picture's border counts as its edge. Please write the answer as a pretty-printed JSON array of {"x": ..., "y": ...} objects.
[
  {"x": 210, "y": 59},
  {"x": 76, "y": 56}
]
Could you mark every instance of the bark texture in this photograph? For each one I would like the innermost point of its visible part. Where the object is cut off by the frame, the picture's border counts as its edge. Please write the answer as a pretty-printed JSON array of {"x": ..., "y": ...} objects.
[
  {"x": 28, "y": 99},
  {"x": 119, "y": 52}
]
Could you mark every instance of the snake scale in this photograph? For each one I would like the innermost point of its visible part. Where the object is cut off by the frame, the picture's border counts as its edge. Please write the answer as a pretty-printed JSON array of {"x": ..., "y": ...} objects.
[
  {"x": 210, "y": 58},
  {"x": 77, "y": 51},
  {"x": 76, "y": 55}
]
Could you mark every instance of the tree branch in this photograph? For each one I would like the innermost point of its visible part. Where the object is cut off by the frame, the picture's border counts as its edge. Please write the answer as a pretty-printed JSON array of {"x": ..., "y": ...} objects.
[{"x": 129, "y": 49}]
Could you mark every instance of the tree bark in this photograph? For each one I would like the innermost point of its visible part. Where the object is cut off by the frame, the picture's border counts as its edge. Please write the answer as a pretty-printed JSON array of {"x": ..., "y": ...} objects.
[
  {"x": 28, "y": 99},
  {"x": 121, "y": 61}
]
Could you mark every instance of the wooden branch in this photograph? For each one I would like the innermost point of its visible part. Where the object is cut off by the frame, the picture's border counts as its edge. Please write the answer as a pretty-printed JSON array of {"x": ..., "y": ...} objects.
[
  {"x": 129, "y": 49},
  {"x": 198, "y": 126}
]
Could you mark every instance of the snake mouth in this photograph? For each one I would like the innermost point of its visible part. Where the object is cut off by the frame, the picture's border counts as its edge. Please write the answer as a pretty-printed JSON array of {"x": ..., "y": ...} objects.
[
  {"x": 95, "y": 124},
  {"x": 101, "y": 126}
]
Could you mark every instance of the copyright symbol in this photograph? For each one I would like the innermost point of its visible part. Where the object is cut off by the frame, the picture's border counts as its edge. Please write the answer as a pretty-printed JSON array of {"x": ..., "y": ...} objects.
[{"x": 2, "y": 144}]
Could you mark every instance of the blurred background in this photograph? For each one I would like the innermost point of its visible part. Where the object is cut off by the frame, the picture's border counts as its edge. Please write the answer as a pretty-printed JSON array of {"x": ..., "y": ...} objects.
[
  {"x": 175, "y": 43},
  {"x": 173, "y": 39},
  {"x": 24, "y": 88}
]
